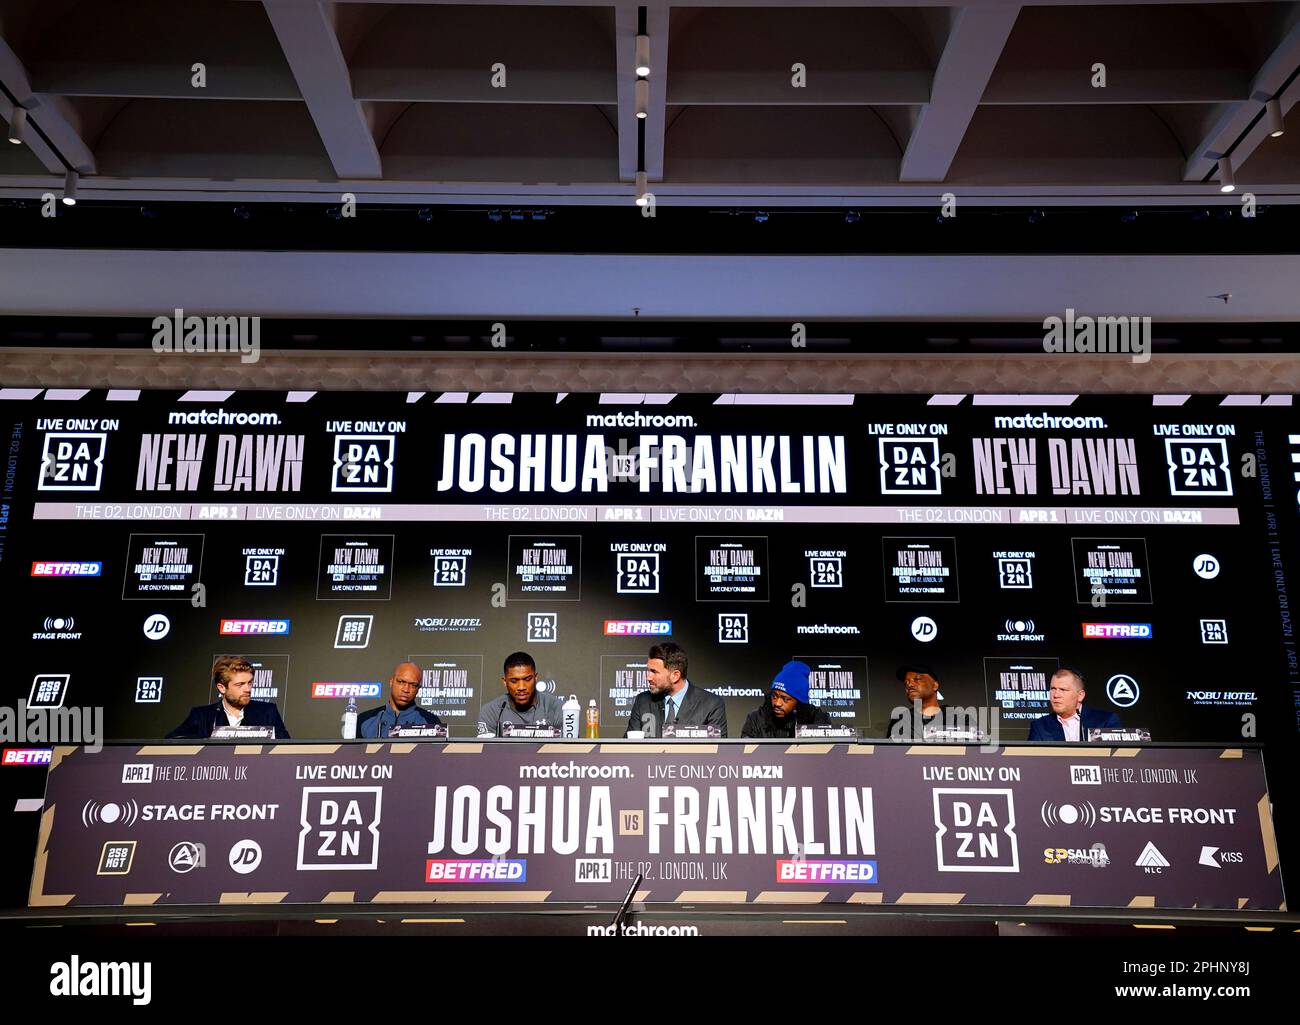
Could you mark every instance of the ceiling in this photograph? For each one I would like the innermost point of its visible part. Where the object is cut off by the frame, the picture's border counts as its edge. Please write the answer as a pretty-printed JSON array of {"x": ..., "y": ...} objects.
[{"x": 757, "y": 103}]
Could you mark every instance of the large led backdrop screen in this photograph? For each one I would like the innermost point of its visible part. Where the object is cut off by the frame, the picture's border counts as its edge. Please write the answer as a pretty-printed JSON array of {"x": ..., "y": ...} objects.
[{"x": 1144, "y": 540}]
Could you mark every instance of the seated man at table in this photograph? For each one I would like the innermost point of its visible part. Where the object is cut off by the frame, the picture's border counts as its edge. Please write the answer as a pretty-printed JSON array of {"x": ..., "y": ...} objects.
[
  {"x": 233, "y": 678},
  {"x": 921, "y": 687},
  {"x": 1068, "y": 719},
  {"x": 672, "y": 699},
  {"x": 786, "y": 706},
  {"x": 400, "y": 709},
  {"x": 521, "y": 704}
]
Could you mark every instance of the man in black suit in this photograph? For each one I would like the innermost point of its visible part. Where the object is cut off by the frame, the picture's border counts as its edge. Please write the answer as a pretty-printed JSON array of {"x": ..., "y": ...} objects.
[
  {"x": 233, "y": 677},
  {"x": 1068, "y": 719},
  {"x": 672, "y": 699}
]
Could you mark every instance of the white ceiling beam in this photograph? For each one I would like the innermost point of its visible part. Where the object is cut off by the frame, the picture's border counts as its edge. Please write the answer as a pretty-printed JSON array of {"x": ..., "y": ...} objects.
[
  {"x": 1236, "y": 118},
  {"x": 50, "y": 113},
  {"x": 311, "y": 46},
  {"x": 491, "y": 286},
  {"x": 971, "y": 53}
]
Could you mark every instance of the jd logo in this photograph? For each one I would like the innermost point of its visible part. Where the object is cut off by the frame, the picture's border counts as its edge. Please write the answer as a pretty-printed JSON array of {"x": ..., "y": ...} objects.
[
  {"x": 340, "y": 828},
  {"x": 245, "y": 856},
  {"x": 975, "y": 830}
]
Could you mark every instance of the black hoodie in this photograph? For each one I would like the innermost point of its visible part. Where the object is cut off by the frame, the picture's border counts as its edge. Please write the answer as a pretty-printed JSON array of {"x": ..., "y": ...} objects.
[{"x": 762, "y": 723}]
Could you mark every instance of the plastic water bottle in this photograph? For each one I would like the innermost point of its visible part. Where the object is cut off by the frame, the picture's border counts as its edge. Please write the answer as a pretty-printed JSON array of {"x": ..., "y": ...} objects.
[
  {"x": 571, "y": 712},
  {"x": 593, "y": 720},
  {"x": 350, "y": 720}
]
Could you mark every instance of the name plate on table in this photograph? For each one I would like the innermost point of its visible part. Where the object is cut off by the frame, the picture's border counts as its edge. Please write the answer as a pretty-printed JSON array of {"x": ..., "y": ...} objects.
[
  {"x": 692, "y": 732},
  {"x": 953, "y": 736},
  {"x": 243, "y": 733},
  {"x": 438, "y": 732},
  {"x": 1127, "y": 734},
  {"x": 529, "y": 731},
  {"x": 826, "y": 732}
]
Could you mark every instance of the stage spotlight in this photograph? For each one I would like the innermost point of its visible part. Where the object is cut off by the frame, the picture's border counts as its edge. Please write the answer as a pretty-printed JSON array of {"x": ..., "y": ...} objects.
[
  {"x": 516, "y": 215},
  {"x": 334, "y": 213},
  {"x": 424, "y": 214},
  {"x": 1128, "y": 216},
  {"x": 70, "y": 188},
  {"x": 1226, "y": 181},
  {"x": 494, "y": 215},
  {"x": 642, "y": 56},
  {"x": 537, "y": 215},
  {"x": 1034, "y": 216},
  {"x": 760, "y": 216},
  {"x": 17, "y": 126},
  {"x": 852, "y": 217},
  {"x": 241, "y": 212},
  {"x": 1272, "y": 109}
]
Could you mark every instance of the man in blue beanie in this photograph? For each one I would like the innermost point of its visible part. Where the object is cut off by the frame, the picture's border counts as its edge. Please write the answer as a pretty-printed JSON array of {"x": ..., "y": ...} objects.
[{"x": 786, "y": 706}]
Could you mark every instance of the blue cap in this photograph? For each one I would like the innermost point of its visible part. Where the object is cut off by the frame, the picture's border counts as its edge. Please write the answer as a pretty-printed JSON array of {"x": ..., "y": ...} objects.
[{"x": 793, "y": 680}]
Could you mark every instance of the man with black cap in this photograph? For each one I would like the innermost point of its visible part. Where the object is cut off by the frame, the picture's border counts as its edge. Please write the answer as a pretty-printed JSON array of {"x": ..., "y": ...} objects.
[
  {"x": 786, "y": 707},
  {"x": 921, "y": 685}
]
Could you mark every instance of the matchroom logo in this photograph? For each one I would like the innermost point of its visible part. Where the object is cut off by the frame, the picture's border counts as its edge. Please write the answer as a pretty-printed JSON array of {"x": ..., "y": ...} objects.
[{"x": 975, "y": 830}]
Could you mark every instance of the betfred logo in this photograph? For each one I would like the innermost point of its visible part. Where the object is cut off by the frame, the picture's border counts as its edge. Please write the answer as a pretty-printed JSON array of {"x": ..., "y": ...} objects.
[
  {"x": 826, "y": 872},
  {"x": 27, "y": 756},
  {"x": 443, "y": 870},
  {"x": 254, "y": 626},
  {"x": 638, "y": 627},
  {"x": 345, "y": 690},
  {"x": 67, "y": 569},
  {"x": 1114, "y": 631}
]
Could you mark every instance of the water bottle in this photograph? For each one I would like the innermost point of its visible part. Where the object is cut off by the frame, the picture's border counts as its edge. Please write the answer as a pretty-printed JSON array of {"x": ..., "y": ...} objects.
[
  {"x": 350, "y": 720},
  {"x": 593, "y": 720},
  {"x": 571, "y": 712}
]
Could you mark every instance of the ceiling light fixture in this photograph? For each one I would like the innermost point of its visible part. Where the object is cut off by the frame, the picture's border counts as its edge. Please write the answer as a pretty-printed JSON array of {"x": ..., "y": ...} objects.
[
  {"x": 1272, "y": 109},
  {"x": 642, "y": 97},
  {"x": 1226, "y": 181},
  {"x": 643, "y": 56},
  {"x": 17, "y": 126}
]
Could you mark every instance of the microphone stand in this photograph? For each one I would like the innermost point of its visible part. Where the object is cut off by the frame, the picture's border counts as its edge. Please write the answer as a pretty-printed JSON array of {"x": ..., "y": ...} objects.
[{"x": 627, "y": 901}]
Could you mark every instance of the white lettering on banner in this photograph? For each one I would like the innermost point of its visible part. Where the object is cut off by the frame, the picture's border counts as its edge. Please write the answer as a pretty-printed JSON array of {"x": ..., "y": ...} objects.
[
  {"x": 726, "y": 463},
  {"x": 762, "y": 820}
]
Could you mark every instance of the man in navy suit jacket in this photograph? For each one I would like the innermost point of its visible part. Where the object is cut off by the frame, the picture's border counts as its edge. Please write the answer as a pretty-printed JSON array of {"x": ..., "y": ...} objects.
[
  {"x": 1068, "y": 719},
  {"x": 233, "y": 677}
]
